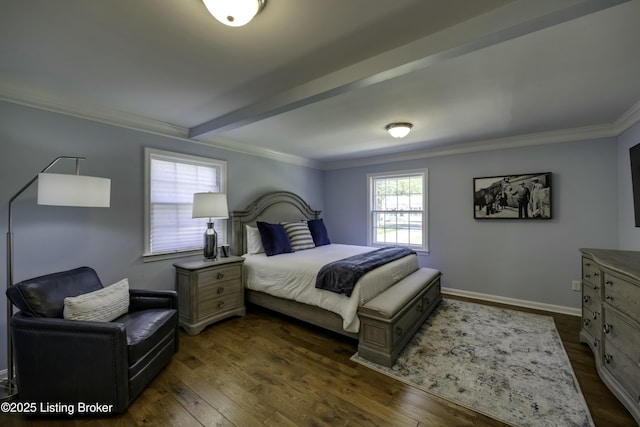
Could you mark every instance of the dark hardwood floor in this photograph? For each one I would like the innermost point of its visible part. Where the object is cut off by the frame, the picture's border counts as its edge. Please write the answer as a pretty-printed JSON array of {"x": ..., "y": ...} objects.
[{"x": 268, "y": 370}]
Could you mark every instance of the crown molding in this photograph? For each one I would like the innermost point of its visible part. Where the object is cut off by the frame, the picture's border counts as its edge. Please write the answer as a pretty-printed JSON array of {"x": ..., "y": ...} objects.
[
  {"x": 56, "y": 103},
  {"x": 628, "y": 119},
  {"x": 47, "y": 101},
  {"x": 518, "y": 141}
]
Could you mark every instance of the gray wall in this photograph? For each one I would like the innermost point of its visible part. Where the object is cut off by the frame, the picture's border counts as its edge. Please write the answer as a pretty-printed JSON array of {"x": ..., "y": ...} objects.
[
  {"x": 531, "y": 261},
  {"x": 629, "y": 233},
  {"x": 49, "y": 239}
]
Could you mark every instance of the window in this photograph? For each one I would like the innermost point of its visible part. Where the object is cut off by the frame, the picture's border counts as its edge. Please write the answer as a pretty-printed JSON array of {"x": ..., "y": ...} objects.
[
  {"x": 398, "y": 209},
  {"x": 171, "y": 180}
]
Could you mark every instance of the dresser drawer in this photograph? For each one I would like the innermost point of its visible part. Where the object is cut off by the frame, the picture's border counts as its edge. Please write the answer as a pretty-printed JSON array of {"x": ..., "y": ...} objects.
[
  {"x": 590, "y": 272},
  {"x": 590, "y": 322},
  {"x": 590, "y": 298},
  {"x": 221, "y": 274},
  {"x": 623, "y": 369},
  {"x": 621, "y": 332},
  {"x": 622, "y": 294}
]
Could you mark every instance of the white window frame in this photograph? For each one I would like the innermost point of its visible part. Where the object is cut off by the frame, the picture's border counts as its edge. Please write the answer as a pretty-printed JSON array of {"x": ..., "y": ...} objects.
[
  {"x": 152, "y": 153},
  {"x": 424, "y": 173}
]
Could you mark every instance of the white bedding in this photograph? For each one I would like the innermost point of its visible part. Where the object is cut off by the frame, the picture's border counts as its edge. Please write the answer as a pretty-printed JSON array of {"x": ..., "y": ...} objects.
[{"x": 293, "y": 276}]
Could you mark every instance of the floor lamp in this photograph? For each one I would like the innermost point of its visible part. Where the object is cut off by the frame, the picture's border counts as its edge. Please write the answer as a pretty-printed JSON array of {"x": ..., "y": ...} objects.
[{"x": 55, "y": 190}]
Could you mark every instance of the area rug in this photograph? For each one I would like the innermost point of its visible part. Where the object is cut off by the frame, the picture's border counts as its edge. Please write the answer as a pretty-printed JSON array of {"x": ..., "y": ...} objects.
[{"x": 506, "y": 364}]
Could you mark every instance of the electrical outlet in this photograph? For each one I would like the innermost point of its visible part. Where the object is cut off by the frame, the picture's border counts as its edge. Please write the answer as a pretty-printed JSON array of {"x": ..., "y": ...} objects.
[{"x": 576, "y": 285}]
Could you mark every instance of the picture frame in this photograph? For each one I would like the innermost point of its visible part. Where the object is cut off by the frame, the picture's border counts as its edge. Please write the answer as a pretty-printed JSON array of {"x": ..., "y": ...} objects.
[{"x": 520, "y": 197}]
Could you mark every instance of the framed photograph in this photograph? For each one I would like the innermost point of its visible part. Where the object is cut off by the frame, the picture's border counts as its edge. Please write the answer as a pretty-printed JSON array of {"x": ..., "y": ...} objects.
[{"x": 513, "y": 197}]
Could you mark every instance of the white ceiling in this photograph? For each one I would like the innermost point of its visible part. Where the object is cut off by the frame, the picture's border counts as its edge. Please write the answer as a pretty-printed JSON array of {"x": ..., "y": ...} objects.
[{"x": 317, "y": 81}]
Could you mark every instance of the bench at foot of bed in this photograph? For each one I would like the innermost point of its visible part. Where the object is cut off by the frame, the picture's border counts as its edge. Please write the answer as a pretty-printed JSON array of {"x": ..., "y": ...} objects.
[{"x": 388, "y": 321}]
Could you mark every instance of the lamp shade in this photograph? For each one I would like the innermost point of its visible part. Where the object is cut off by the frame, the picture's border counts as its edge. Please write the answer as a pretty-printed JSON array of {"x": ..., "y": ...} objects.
[
  {"x": 210, "y": 205},
  {"x": 234, "y": 13},
  {"x": 73, "y": 190}
]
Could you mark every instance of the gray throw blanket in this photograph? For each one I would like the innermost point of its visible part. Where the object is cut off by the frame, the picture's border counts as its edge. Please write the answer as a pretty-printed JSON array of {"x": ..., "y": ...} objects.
[{"x": 341, "y": 276}]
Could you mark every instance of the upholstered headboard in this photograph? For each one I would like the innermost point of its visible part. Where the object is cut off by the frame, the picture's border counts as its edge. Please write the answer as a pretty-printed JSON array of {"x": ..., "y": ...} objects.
[{"x": 274, "y": 207}]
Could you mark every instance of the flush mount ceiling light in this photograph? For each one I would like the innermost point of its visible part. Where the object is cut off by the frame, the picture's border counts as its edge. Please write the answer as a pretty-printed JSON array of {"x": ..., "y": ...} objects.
[
  {"x": 398, "y": 130},
  {"x": 234, "y": 13}
]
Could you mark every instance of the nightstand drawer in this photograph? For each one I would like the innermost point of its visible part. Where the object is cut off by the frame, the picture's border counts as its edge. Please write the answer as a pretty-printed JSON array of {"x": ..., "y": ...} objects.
[
  {"x": 219, "y": 289},
  {"x": 211, "y": 277},
  {"x": 215, "y": 306}
]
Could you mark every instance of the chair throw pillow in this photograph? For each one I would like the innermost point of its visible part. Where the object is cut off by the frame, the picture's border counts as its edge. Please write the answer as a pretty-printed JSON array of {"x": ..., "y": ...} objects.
[{"x": 102, "y": 305}]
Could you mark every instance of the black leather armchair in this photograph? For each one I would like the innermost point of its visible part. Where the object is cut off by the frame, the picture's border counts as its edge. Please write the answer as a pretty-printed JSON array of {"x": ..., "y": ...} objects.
[{"x": 71, "y": 361}]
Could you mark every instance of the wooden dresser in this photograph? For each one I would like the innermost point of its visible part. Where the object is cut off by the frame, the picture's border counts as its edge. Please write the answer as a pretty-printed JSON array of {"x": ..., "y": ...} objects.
[
  {"x": 209, "y": 291},
  {"x": 611, "y": 320}
]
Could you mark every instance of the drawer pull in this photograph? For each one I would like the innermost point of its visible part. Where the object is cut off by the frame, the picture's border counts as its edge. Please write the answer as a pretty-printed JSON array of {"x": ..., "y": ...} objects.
[
  {"x": 588, "y": 276},
  {"x": 586, "y": 322},
  {"x": 588, "y": 264},
  {"x": 586, "y": 298},
  {"x": 596, "y": 288},
  {"x": 220, "y": 276},
  {"x": 607, "y": 328},
  {"x": 608, "y": 357},
  {"x": 609, "y": 282},
  {"x": 220, "y": 290},
  {"x": 595, "y": 315},
  {"x": 596, "y": 274},
  {"x": 609, "y": 298},
  {"x": 398, "y": 330},
  {"x": 220, "y": 304}
]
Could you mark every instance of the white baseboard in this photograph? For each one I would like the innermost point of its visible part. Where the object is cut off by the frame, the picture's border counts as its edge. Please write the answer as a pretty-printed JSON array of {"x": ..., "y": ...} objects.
[{"x": 512, "y": 301}]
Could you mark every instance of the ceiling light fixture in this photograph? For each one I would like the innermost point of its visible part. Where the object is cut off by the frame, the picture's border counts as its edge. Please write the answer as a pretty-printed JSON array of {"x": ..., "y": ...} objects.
[
  {"x": 398, "y": 130},
  {"x": 234, "y": 13}
]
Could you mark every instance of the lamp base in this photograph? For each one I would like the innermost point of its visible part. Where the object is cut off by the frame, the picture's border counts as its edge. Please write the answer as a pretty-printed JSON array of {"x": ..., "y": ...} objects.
[{"x": 210, "y": 243}]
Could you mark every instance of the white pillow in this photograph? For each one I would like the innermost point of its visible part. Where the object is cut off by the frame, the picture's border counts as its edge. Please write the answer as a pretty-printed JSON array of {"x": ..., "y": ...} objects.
[
  {"x": 102, "y": 305},
  {"x": 299, "y": 235},
  {"x": 254, "y": 242}
]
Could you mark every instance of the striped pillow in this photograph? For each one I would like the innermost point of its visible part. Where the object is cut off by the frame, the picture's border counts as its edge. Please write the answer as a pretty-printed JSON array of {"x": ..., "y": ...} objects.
[{"x": 299, "y": 235}]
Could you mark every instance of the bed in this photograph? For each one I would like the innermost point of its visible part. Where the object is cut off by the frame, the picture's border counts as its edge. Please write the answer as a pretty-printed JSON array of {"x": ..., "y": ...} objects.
[{"x": 384, "y": 309}]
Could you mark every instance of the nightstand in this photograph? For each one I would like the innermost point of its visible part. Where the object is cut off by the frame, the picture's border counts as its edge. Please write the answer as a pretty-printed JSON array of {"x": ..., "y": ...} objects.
[{"x": 209, "y": 291}]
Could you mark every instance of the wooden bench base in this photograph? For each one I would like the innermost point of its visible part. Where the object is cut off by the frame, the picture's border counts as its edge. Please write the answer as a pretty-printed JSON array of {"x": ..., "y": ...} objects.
[{"x": 388, "y": 321}]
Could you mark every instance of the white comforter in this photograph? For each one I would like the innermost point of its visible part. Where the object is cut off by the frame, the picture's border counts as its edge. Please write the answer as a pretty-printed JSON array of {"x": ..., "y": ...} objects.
[{"x": 293, "y": 276}]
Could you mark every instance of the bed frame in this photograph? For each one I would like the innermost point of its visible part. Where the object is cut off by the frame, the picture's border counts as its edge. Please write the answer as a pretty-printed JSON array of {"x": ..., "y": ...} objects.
[
  {"x": 387, "y": 322},
  {"x": 281, "y": 206}
]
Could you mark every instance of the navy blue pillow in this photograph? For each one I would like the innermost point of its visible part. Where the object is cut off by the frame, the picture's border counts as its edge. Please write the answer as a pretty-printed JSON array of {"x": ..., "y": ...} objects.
[
  {"x": 318, "y": 232},
  {"x": 274, "y": 238}
]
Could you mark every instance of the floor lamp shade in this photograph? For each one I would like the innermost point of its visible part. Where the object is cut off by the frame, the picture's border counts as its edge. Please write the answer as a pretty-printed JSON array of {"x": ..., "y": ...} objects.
[{"x": 73, "y": 190}]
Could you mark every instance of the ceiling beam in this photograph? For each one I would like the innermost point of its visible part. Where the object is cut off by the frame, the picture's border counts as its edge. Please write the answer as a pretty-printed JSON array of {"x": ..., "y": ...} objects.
[{"x": 507, "y": 23}]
